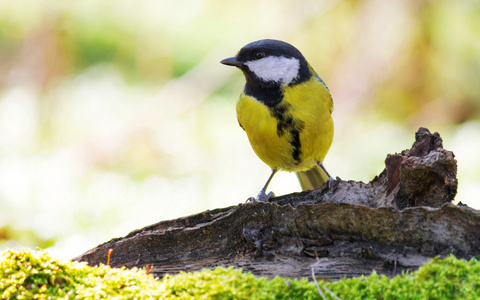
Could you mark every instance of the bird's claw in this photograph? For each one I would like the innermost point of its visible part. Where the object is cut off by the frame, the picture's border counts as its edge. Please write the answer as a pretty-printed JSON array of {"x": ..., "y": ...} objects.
[
  {"x": 261, "y": 197},
  {"x": 330, "y": 182}
]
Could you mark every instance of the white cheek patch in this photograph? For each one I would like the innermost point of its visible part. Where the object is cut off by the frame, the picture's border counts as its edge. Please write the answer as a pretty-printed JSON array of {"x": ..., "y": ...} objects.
[{"x": 275, "y": 68}]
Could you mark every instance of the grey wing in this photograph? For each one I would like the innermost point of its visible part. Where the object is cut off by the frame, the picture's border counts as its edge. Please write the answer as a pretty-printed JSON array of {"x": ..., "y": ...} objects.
[{"x": 325, "y": 85}]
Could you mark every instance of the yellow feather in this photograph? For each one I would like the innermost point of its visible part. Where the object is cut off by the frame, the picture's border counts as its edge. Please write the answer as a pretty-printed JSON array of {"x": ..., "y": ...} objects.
[{"x": 310, "y": 104}]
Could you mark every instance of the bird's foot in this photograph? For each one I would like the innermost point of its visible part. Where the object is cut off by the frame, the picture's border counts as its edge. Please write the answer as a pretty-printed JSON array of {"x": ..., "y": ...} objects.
[
  {"x": 330, "y": 182},
  {"x": 261, "y": 197}
]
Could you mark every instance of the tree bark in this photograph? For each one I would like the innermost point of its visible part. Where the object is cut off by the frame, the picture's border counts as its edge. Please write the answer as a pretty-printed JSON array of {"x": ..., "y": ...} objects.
[{"x": 393, "y": 223}]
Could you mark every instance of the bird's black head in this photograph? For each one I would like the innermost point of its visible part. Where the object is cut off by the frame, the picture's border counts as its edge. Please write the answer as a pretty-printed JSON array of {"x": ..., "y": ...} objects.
[{"x": 271, "y": 62}]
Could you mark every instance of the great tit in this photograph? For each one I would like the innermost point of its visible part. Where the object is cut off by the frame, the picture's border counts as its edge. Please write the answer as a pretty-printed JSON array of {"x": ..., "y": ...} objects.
[{"x": 286, "y": 110}]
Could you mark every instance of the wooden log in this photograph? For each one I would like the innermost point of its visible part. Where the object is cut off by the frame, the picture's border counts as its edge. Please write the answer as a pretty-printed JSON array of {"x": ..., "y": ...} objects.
[{"x": 393, "y": 223}]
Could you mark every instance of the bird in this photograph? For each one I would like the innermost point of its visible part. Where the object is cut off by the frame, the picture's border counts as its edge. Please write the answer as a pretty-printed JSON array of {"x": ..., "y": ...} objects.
[{"x": 285, "y": 109}]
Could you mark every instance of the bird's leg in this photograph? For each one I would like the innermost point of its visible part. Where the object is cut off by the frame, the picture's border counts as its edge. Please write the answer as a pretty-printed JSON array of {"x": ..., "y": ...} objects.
[
  {"x": 330, "y": 179},
  {"x": 263, "y": 196}
]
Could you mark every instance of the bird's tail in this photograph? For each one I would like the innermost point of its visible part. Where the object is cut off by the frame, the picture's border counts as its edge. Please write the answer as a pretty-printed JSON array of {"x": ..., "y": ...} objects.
[{"x": 313, "y": 178}]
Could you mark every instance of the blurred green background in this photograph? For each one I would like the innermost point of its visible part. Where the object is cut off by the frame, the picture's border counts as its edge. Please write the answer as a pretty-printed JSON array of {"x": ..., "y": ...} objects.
[{"x": 117, "y": 114}]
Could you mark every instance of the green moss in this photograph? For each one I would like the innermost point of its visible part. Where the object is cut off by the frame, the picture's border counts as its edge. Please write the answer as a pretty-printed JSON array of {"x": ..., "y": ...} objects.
[
  {"x": 234, "y": 284},
  {"x": 450, "y": 278},
  {"x": 35, "y": 275}
]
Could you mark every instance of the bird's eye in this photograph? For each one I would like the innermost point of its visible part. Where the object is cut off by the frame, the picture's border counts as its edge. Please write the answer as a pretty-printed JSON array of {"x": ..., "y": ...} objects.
[{"x": 259, "y": 55}]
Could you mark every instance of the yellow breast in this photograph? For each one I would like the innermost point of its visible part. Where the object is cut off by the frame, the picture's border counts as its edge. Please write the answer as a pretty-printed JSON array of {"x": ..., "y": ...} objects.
[{"x": 294, "y": 135}]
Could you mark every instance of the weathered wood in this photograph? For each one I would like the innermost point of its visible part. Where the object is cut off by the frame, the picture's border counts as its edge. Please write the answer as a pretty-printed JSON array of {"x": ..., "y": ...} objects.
[{"x": 391, "y": 224}]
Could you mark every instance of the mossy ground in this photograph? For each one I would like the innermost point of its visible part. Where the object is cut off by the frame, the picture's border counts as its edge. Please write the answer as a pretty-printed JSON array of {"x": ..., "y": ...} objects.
[{"x": 36, "y": 275}]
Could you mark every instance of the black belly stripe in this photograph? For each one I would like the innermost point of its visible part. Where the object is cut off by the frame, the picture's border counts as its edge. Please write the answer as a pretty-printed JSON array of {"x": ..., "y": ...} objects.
[
  {"x": 286, "y": 124},
  {"x": 295, "y": 142}
]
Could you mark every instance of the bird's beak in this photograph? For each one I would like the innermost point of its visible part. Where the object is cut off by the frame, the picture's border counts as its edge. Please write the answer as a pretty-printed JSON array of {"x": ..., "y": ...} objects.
[{"x": 231, "y": 61}]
